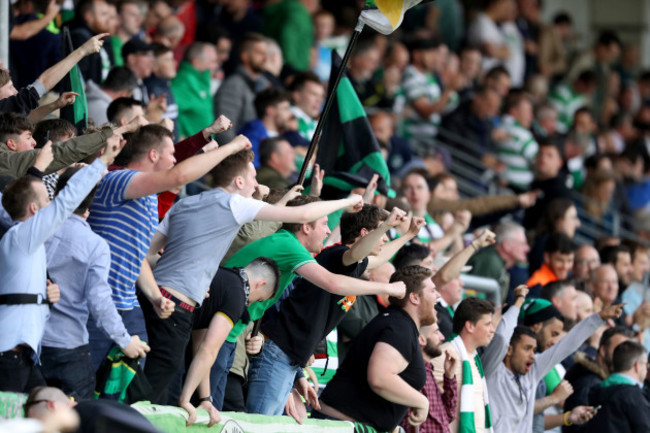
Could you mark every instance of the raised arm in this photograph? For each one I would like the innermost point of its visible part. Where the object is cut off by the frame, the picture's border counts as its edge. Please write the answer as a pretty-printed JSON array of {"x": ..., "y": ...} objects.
[
  {"x": 309, "y": 212},
  {"x": 28, "y": 29},
  {"x": 390, "y": 249},
  {"x": 452, "y": 268},
  {"x": 147, "y": 183},
  {"x": 454, "y": 232},
  {"x": 361, "y": 249},
  {"x": 347, "y": 286},
  {"x": 53, "y": 75},
  {"x": 495, "y": 351},
  {"x": 578, "y": 334}
]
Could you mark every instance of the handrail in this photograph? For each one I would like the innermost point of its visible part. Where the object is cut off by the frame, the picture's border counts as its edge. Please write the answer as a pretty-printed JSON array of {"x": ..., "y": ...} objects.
[{"x": 465, "y": 167}]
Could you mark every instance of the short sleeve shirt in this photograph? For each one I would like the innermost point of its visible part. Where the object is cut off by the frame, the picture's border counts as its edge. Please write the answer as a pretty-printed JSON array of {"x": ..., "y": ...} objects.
[
  {"x": 288, "y": 253},
  {"x": 310, "y": 313},
  {"x": 199, "y": 231},
  {"x": 349, "y": 391},
  {"x": 127, "y": 226},
  {"x": 227, "y": 297}
]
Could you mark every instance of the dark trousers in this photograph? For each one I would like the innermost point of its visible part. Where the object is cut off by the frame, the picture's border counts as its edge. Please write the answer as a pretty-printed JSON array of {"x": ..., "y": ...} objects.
[
  {"x": 234, "y": 399},
  {"x": 167, "y": 339},
  {"x": 18, "y": 372},
  {"x": 71, "y": 370}
]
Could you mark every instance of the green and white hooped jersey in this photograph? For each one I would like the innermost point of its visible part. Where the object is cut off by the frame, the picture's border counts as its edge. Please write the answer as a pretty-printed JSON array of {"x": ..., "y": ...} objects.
[
  {"x": 517, "y": 153},
  {"x": 415, "y": 85},
  {"x": 567, "y": 102},
  {"x": 306, "y": 125}
]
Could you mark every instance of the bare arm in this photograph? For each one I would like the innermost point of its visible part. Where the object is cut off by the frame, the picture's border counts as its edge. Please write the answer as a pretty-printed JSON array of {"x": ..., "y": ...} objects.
[
  {"x": 204, "y": 357},
  {"x": 389, "y": 249},
  {"x": 424, "y": 108},
  {"x": 147, "y": 283},
  {"x": 460, "y": 225},
  {"x": 361, "y": 249},
  {"x": 147, "y": 183},
  {"x": 384, "y": 367},
  {"x": 347, "y": 286},
  {"x": 309, "y": 212},
  {"x": 158, "y": 242},
  {"x": 28, "y": 29},
  {"x": 39, "y": 113},
  {"x": 452, "y": 268},
  {"x": 53, "y": 75}
]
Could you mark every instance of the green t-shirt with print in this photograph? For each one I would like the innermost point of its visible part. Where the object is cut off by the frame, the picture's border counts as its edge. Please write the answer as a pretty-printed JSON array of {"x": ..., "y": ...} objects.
[{"x": 288, "y": 253}]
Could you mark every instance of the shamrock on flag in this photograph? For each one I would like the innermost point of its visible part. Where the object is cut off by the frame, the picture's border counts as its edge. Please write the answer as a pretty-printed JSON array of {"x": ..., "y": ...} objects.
[{"x": 386, "y": 15}]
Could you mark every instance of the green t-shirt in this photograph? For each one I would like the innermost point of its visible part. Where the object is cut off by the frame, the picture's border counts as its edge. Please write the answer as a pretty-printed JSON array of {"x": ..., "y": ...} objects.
[{"x": 288, "y": 253}]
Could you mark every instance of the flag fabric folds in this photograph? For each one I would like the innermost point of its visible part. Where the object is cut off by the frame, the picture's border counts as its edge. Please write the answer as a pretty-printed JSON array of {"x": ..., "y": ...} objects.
[
  {"x": 348, "y": 150},
  {"x": 386, "y": 15},
  {"x": 76, "y": 113}
]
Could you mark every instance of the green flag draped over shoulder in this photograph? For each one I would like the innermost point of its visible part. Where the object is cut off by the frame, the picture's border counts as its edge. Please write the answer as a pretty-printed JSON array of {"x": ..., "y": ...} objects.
[
  {"x": 348, "y": 150},
  {"x": 76, "y": 113},
  {"x": 386, "y": 15}
]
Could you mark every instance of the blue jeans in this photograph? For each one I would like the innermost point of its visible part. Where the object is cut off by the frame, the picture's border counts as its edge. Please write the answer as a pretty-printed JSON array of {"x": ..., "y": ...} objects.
[
  {"x": 69, "y": 369},
  {"x": 219, "y": 373},
  {"x": 101, "y": 344},
  {"x": 270, "y": 380}
]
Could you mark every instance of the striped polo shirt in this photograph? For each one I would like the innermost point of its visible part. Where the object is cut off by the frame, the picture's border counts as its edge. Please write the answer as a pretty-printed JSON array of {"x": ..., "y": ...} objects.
[
  {"x": 517, "y": 153},
  {"x": 127, "y": 226}
]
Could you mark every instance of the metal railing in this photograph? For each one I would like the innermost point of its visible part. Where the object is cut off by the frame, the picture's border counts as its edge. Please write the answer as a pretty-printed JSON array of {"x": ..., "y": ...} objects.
[
  {"x": 488, "y": 286},
  {"x": 474, "y": 179}
]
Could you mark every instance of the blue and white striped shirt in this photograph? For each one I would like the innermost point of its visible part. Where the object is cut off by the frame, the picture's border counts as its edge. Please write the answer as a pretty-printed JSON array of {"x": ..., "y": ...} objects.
[{"x": 127, "y": 226}]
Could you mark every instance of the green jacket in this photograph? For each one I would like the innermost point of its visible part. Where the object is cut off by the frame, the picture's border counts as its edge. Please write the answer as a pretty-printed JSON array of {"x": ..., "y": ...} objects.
[
  {"x": 191, "y": 89},
  {"x": 74, "y": 150},
  {"x": 289, "y": 23}
]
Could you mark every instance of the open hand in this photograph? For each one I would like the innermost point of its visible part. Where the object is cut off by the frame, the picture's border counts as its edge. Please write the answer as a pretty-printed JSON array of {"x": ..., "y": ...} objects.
[
  {"x": 317, "y": 181},
  {"x": 369, "y": 193}
]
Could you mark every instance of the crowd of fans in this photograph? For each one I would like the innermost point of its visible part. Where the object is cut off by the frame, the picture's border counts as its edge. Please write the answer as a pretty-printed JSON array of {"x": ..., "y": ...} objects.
[{"x": 165, "y": 254}]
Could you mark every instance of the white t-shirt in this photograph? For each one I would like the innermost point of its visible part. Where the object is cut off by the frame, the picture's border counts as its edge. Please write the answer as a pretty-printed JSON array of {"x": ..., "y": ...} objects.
[{"x": 484, "y": 30}]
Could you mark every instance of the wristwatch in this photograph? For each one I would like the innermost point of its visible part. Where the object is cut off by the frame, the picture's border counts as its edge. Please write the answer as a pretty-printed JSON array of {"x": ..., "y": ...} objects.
[{"x": 209, "y": 398}]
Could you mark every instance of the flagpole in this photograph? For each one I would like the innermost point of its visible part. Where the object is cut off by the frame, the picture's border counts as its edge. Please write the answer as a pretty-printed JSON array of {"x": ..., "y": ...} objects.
[{"x": 328, "y": 103}]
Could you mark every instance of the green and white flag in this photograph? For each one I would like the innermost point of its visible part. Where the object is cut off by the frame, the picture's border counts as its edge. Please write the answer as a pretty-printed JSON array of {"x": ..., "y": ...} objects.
[{"x": 386, "y": 15}]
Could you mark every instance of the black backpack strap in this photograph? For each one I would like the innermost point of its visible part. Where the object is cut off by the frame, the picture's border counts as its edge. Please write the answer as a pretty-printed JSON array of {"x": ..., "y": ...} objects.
[{"x": 23, "y": 298}]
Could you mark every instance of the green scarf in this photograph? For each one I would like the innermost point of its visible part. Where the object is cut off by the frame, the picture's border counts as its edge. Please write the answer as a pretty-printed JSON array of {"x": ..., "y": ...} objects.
[
  {"x": 466, "y": 420},
  {"x": 617, "y": 379}
]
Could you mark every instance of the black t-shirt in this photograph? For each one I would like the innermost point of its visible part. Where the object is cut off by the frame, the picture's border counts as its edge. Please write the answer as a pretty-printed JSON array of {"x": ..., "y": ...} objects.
[
  {"x": 310, "y": 313},
  {"x": 349, "y": 392},
  {"x": 227, "y": 296}
]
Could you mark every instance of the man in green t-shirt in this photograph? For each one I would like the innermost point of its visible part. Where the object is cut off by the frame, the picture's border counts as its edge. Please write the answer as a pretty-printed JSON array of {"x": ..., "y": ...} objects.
[{"x": 292, "y": 248}]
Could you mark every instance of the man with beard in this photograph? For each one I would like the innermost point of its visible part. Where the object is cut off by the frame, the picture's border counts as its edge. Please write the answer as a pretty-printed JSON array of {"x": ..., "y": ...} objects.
[
  {"x": 381, "y": 375},
  {"x": 442, "y": 406},
  {"x": 514, "y": 382},
  {"x": 236, "y": 95}
]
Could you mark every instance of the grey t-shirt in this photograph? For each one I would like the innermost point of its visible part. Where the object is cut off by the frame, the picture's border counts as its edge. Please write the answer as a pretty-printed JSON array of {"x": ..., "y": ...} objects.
[{"x": 199, "y": 231}]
